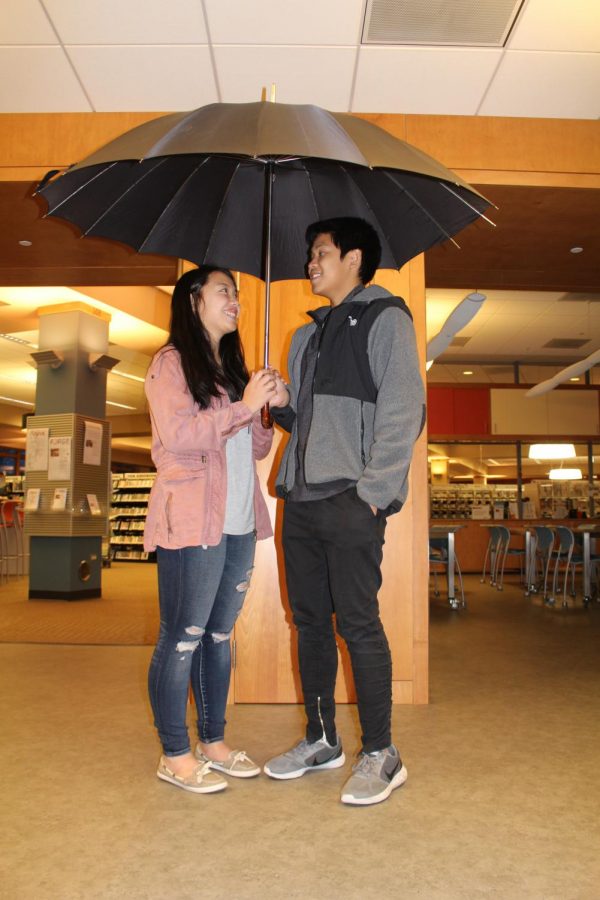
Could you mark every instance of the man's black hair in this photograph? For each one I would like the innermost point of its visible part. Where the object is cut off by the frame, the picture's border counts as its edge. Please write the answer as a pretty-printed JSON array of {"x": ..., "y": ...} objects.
[{"x": 350, "y": 233}]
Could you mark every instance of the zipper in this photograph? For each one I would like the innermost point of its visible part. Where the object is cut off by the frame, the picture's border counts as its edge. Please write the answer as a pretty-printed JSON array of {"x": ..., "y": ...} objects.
[
  {"x": 322, "y": 326},
  {"x": 362, "y": 436},
  {"x": 321, "y": 719},
  {"x": 167, "y": 514}
]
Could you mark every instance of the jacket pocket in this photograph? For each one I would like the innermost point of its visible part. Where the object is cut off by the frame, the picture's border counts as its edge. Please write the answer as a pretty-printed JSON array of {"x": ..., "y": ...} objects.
[{"x": 185, "y": 503}]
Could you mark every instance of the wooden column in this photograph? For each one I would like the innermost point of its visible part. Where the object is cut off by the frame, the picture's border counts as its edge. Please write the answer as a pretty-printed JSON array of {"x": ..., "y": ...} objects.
[{"x": 266, "y": 661}]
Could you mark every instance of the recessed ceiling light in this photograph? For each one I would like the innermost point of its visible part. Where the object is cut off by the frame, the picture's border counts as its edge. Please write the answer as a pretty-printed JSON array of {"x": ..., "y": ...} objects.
[
  {"x": 16, "y": 340},
  {"x": 25, "y": 243},
  {"x": 575, "y": 378},
  {"x": 467, "y": 372},
  {"x": 576, "y": 250}
]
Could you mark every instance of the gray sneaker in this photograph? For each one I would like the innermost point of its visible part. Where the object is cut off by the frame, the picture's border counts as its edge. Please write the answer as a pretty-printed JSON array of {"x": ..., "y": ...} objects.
[
  {"x": 306, "y": 757},
  {"x": 374, "y": 777}
]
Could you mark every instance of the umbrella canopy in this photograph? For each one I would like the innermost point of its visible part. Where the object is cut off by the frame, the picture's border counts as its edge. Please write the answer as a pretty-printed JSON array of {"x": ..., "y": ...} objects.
[{"x": 237, "y": 184}]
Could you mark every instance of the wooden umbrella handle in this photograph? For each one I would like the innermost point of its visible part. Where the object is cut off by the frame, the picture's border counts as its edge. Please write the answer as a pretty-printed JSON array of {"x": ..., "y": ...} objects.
[{"x": 266, "y": 419}]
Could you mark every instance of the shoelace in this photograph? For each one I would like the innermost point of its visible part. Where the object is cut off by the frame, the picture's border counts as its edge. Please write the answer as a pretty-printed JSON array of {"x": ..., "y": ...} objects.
[
  {"x": 198, "y": 773},
  {"x": 301, "y": 748},
  {"x": 240, "y": 756},
  {"x": 367, "y": 765}
]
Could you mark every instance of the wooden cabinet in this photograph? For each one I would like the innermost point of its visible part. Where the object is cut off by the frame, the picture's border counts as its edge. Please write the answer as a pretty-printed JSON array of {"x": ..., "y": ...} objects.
[{"x": 565, "y": 412}]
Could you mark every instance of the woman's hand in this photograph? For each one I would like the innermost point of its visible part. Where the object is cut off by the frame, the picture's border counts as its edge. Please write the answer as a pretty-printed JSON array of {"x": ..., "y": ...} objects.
[
  {"x": 259, "y": 390},
  {"x": 282, "y": 395}
]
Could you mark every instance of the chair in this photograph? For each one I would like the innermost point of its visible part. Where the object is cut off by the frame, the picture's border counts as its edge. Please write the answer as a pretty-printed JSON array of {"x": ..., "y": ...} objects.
[
  {"x": 11, "y": 538},
  {"x": 543, "y": 541},
  {"x": 438, "y": 555},
  {"x": 492, "y": 554},
  {"x": 569, "y": 556},
  {"x": 504, "y": 550}
]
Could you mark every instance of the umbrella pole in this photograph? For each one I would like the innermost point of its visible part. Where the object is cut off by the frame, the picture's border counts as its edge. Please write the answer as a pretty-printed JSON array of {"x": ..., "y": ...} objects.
[{"x": 265, "y": 415}]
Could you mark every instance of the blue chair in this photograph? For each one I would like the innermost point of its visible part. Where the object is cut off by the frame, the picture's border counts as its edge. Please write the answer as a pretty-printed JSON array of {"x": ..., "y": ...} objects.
[
  {"x": 492, "y": 554},
  {"x": 569, "y": 556},
  {"x": 542, "y": 551},
  {"x": 504, "y": 550}
]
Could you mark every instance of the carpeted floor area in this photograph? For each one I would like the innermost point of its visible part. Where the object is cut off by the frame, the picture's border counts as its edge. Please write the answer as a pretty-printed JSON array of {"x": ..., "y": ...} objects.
[
  {"x": 127, "y": 612},
  {"x": 501, "y": 801}
]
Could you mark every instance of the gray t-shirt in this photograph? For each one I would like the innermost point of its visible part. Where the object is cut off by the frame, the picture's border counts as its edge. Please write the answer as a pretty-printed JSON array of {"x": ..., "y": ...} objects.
[{"x": 239, "y": 505}]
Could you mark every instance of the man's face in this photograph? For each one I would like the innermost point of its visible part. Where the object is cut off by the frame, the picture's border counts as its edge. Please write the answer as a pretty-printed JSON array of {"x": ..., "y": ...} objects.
[{"x": 330, "y": 275}]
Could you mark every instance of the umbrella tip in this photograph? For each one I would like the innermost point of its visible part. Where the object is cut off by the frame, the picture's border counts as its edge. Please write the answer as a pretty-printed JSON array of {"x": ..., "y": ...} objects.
[{"x": 263, "y": 94}]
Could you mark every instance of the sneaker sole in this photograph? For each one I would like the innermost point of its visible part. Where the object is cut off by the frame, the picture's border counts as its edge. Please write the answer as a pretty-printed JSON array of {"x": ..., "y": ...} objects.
[
  {"x": 286, "y": 776},
  {"x": 396, "y": 782},
  {"x": 236, "y": 773},
  {"x": 207, "y": 789}
]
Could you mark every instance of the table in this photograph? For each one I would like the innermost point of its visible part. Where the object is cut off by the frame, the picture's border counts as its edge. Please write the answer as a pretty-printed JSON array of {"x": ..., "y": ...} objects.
[{"x": 448, "y": 532}]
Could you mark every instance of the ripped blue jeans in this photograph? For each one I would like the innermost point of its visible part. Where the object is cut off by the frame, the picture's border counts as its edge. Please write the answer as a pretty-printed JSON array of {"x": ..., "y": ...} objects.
[{"x": 201, "y": 592}]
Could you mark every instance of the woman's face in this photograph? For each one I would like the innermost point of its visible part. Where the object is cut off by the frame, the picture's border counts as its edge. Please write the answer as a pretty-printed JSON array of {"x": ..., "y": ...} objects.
[{"x": 219, "y": 306}]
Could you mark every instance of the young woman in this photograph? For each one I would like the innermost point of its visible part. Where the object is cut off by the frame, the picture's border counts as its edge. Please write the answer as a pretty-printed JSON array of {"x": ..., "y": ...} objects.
[{"x": 204, "y": 516}]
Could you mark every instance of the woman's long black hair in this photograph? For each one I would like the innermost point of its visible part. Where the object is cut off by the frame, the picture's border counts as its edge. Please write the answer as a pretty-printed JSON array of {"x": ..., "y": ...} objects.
[{"x": 202, "y": 372}]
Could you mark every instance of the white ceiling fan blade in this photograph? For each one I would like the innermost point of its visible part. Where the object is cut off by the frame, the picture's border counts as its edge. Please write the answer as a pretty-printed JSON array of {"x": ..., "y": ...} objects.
[
  {"x": 573, "y": 371},
  {"x": 460, "y": 316}
]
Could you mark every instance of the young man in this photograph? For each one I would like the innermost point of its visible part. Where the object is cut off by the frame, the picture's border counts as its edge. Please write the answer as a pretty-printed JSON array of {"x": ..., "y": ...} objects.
[{"x": 354, "y": 410}]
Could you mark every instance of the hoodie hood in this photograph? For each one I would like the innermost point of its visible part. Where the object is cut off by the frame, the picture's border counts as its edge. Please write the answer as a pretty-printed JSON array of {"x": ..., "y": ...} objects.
[{"x": 364, "y": 295}]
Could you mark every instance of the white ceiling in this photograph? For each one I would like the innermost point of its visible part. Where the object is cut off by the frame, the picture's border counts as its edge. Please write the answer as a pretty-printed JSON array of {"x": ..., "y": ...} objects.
[{"x": 121, "y": 55}]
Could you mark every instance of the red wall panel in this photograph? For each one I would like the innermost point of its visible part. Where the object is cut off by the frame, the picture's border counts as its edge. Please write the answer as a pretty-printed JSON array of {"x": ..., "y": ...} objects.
[
  {"x": 456, "y": 410},
  {"x": 471, "y": 411},
  {"x": 440, "y": 410}
]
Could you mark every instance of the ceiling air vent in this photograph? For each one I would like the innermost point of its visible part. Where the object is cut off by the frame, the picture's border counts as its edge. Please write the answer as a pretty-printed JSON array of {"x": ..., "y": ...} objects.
[
  {"x": 464, "y": 23},
  {"x": 566, "y": 343}
]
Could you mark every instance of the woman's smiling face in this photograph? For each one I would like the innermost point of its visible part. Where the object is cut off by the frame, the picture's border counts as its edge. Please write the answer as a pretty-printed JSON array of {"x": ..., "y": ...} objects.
[{"x": 218, "y": 306}]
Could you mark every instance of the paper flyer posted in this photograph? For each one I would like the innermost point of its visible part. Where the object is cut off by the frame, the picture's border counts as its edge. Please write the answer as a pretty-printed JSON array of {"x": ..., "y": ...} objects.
[
  {"x": 36, "y": 451},
  {"x": 32, "y": 498},
  {"x": 59, "y": 458},
  {"x": 59, "y": 498},
  {"x": 92, "y": 444},
  {"x": 94, "y": 505}
]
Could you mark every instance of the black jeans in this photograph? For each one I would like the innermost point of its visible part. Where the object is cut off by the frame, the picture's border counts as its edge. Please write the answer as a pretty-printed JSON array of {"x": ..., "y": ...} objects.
[{"x": 333, "y": 550}]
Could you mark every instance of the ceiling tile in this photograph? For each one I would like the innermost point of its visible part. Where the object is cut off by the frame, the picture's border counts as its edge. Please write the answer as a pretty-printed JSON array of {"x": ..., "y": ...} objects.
[
  {"x": 129, "y": 22},
  {"x": 286, "y": 22},
  {"x": 297, "y": 73},
  {"x": 39, "y": 79},
  {"x": 145, "y": 78},
  {"x": 545, "y": 85},
  {"x": 24, "y": 22},
  {"x": 557, "y": 25},
  {"x": 423, "y": 80}
]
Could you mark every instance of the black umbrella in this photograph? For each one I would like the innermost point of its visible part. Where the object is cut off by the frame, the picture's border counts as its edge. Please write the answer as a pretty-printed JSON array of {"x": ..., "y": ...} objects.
[{"x": 237, "y": 184}]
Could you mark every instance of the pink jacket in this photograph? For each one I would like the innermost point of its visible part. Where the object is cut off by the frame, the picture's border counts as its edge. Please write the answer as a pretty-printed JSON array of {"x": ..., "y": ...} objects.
[{"x": 187, "y": 502}]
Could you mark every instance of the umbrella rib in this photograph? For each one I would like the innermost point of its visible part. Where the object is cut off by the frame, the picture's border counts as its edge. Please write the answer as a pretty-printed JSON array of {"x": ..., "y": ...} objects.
[
  {"x": 221, "y": 205},
  {"x": 171, "y": 201},
  {"x": 421, "y": 207},
  {"x": 81, "y": 186},
  {"x": 124, "y": 194},
  {"x": 466, "y": 202}
]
